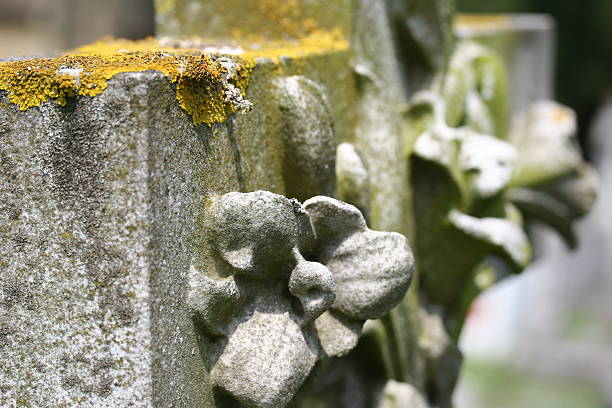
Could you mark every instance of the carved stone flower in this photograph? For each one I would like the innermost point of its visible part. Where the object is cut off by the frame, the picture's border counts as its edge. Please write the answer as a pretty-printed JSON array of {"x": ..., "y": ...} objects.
[{"x": 291, "y": 284}]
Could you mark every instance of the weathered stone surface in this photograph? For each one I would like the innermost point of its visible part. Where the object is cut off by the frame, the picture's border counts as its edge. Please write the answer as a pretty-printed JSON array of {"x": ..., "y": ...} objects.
[
  {"x": 267, "y": 19},
  {"x": 102, "y": 198},
  {"x": 256, "y": 303},
  {"x": 308, "y": 133},
  {"x": 154, "y": 262},
  {"x": 75, "y": 250},
  {"x": 353, "y": 181},
  {"x": 265, "y": 360},
  {"x": 372, "y": 269},
  {"x": 552, "y": 183}
]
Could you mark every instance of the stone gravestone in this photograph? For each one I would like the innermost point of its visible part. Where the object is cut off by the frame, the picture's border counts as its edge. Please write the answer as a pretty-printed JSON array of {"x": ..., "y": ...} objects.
[{"x": 226, "y": 216}]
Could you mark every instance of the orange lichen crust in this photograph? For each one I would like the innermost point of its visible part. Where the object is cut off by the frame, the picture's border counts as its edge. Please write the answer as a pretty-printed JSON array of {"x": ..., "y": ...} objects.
[{"x": 202, "y": 80}]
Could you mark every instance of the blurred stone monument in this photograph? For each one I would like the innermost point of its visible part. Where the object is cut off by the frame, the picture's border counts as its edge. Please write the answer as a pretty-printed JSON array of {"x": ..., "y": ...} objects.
[{"x": 274, "y": 203}]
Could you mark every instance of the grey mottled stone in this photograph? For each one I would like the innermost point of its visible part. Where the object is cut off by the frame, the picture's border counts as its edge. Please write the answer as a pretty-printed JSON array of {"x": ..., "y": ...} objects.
[
  {"x": 308, "y": 133},
  {"x": 353, "y": 181},
  {"x": 256, "y": 304}
]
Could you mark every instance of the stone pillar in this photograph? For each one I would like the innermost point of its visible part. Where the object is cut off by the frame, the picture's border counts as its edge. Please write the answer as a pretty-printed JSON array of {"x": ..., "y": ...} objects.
[{"x": 224, "y": 216}]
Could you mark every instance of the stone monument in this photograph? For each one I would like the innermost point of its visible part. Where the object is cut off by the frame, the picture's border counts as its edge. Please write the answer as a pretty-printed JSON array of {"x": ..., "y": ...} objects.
[{"x": 226, "y": 215}]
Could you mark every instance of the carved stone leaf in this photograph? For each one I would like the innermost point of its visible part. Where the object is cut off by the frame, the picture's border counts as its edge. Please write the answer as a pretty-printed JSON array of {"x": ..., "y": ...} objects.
[
  {"x": 558, "y": 204},
  {"x": 475, "y": 90},
  {"x": 552, "y": 184},
  {"x": 372, "y": 269},
  {"x": 498, "y": 233},
  {"x": 544, "y": 136},
  {"x": 490, "y": 160},
  {"x": 459, "y": 170}
]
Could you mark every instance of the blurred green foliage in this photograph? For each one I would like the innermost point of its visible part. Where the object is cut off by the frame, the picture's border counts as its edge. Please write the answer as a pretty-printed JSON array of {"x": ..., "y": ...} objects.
[
  {"x": 584, "y": 47},
  {"x": 496, "y": 385}
]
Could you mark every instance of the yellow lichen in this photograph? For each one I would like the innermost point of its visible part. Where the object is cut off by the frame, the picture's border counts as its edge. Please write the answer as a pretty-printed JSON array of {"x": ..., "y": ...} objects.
[{"x": 202, "y": 81}]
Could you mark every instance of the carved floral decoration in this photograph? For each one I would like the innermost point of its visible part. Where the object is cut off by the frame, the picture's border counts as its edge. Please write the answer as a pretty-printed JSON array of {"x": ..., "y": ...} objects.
[
  {"x": 292, "y": 283},
  {"x": 477, "y": 180}
]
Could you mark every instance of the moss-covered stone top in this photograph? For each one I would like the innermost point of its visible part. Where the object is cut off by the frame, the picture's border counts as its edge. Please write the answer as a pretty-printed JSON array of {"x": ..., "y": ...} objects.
[{"x": 211, "y": 79}]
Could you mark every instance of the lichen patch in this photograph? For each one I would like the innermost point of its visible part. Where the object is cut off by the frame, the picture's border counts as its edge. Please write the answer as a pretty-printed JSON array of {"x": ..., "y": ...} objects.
[{"x": 207, "y": 87}]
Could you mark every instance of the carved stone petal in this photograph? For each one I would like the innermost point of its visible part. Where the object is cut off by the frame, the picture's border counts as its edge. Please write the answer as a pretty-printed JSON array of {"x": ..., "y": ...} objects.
[
  {"x": 500, "y": 233},
  {"x": 338, "y": 334},
  {"x": 255, "y": 233},
  {"x": 314, "y": 285},
  {"x": 214, "y": 302},
  {"x": 333, "y": 220},
  {"x": 266, "y": 361},
  {"x": 372, "y": 269}
]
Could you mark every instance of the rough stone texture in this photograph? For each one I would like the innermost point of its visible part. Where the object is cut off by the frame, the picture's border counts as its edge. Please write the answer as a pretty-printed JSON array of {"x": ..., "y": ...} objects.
[
  {"x": 256, "y": 306},
  {"x": 150, "y": 262},
  {"x": 310, "y": 142},
  {"x": 100, "y": 205},
  {"x": 372, "y": 269},
  {"x": 76, "y": 265},
  {"x": 353, "y": 178}
]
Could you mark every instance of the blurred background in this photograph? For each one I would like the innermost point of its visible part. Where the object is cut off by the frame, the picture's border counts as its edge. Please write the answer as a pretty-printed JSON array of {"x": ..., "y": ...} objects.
[
  {"x": 542, "y": 339},
  {"x": 30, "y": 27}
]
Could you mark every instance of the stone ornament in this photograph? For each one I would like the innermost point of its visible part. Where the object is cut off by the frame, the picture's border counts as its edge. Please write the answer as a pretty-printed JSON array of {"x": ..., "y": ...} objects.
[
  {"x": 353, "y": 178},
  {"x": 292, "y": 284},
  {"x": 477, "y": 181},
  {"x": 308, "y": 136},
  {"x": 552, "y": 182},
  {"x": 460, "y": 177}
]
